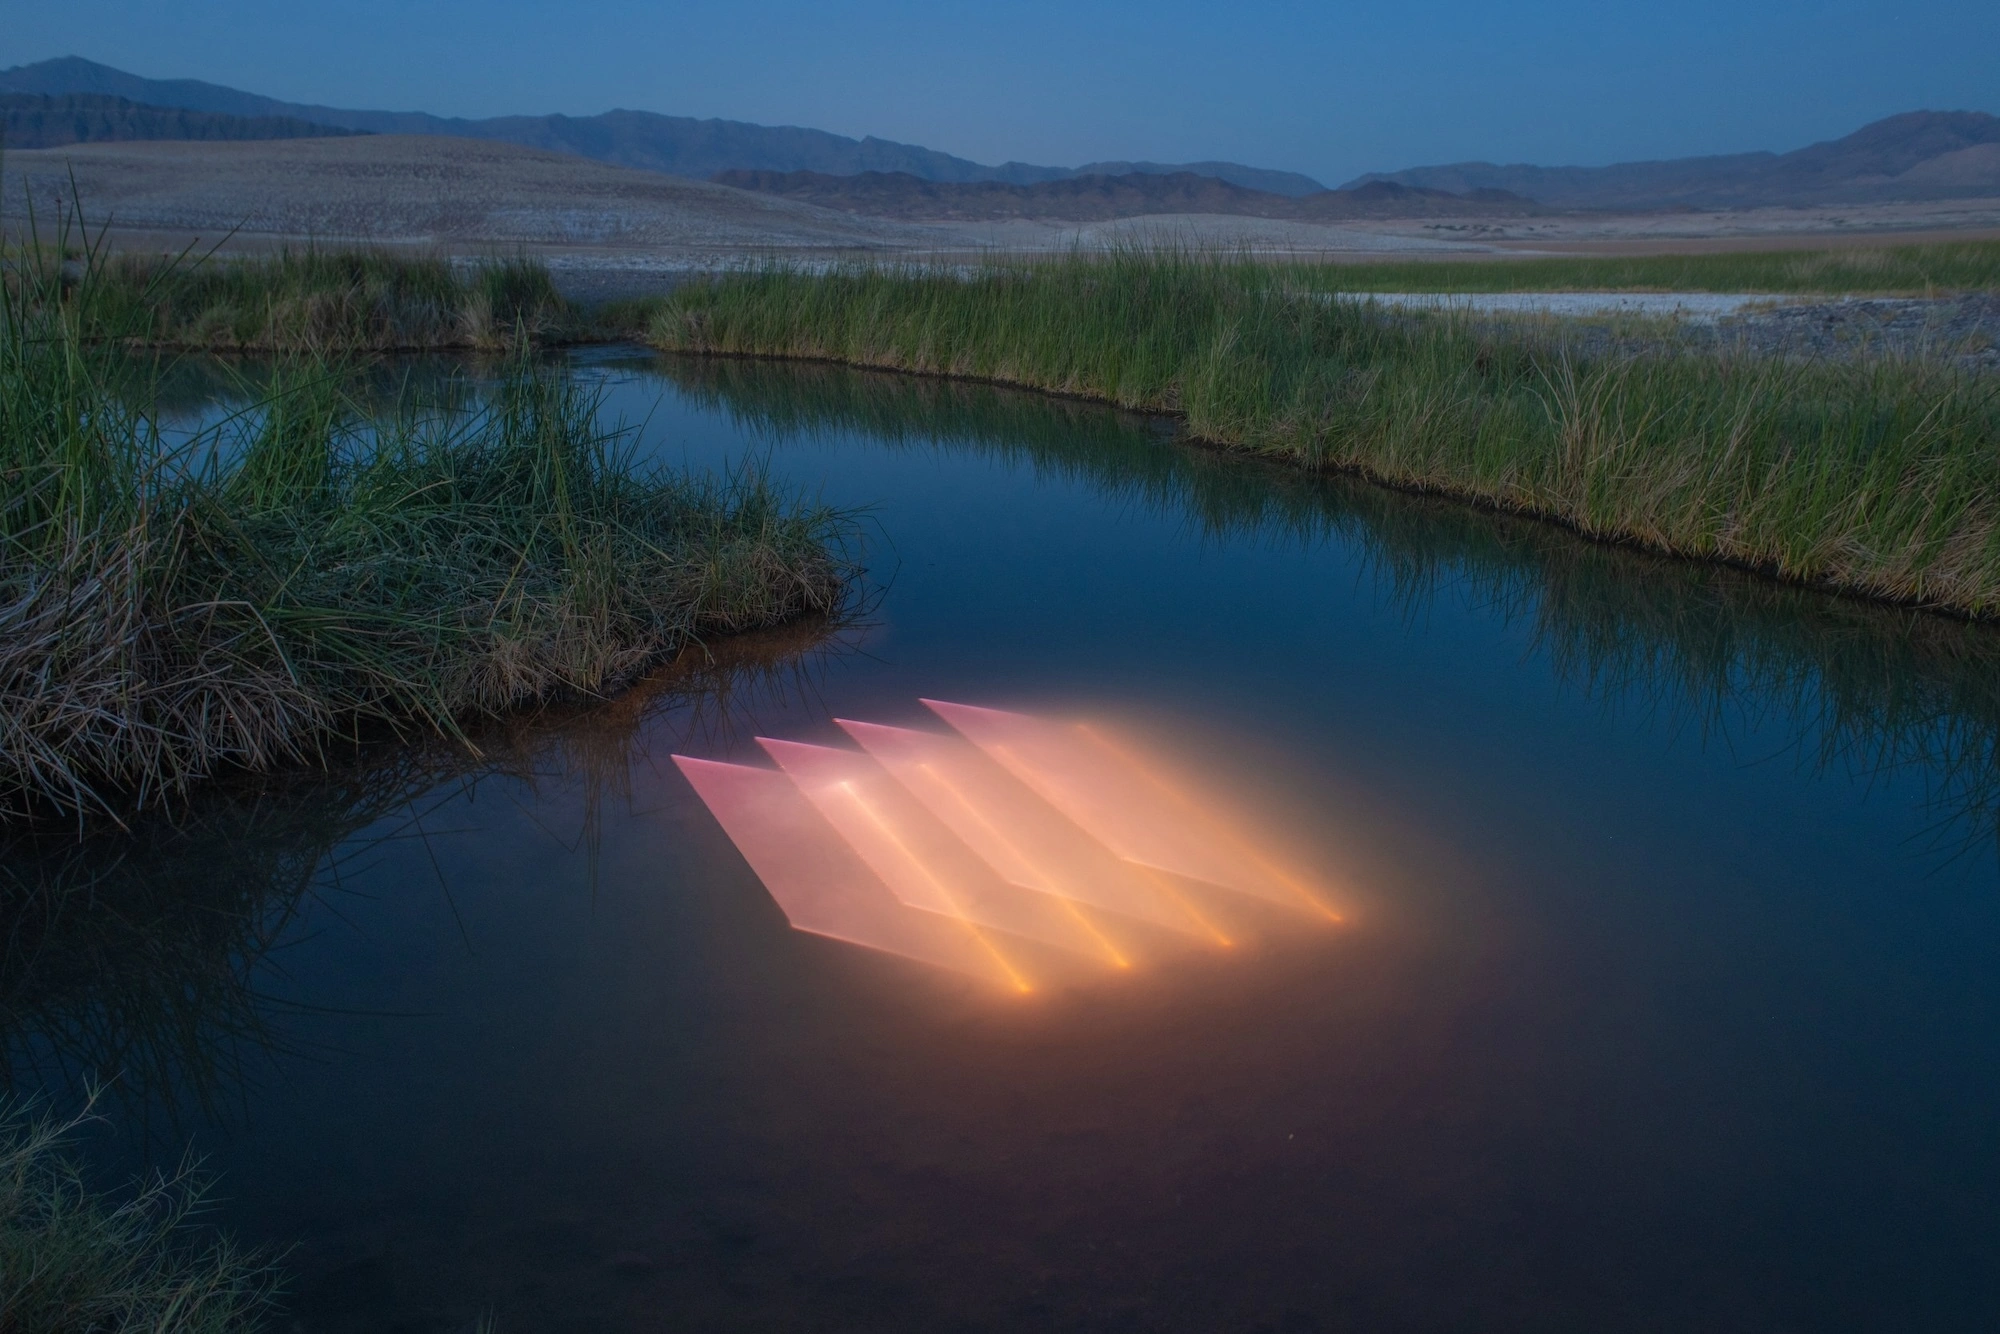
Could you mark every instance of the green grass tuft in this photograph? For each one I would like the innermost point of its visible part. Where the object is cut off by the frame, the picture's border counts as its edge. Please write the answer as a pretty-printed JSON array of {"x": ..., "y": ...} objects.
[
  {"x": 1911, "y": 270},
  {"x": 171, "y": 607},
  {"x": 74, "y": 1261},
  {"x": 1877, "y": 476},
  {"x": 311, "y": 301}
]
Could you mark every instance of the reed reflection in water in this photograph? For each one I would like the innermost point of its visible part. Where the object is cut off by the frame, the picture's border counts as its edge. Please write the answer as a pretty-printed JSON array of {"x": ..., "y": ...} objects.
[
  {"x": 1622, "y": 1031},
  {"x": 1861, "y": 688},
  {"x": 143, "y": 960}
]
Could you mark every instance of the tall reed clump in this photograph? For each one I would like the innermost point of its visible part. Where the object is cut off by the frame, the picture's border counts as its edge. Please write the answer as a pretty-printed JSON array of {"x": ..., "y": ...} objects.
[
  {"x": 1878, "y": 476},
  {"x": 170, "y": 606},
  {"x": 1917, "y": 270},
  {"x": 74, "y": 1261},
  {"x": 320, "y": 302}
]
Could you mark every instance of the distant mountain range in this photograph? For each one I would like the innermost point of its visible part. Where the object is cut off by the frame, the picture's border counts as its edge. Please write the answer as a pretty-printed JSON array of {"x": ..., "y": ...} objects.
[
  {"x": 1922, "y": 155},
  {"x": 1102, "y": 197},
  {"x": 677, "y": 145},
  {"x": 31, "y": 121},
  {"x": 1918, "y": 155}
]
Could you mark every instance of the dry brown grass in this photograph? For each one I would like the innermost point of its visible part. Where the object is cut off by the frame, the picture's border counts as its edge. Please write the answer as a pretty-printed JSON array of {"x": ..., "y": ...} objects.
[
  {"x": 1879, "y": 476},
  {"x": 173, "y": 607}
]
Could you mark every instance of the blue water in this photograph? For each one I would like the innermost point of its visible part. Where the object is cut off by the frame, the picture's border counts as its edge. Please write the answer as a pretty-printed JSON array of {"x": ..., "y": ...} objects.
[{"x": 1671, "y": 999}]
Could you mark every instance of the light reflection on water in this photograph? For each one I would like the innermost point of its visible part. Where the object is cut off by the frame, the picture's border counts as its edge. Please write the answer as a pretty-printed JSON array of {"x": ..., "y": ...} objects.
[
  {"x": 967, "y": 853},
  {"x": 1668, "y": 998}
]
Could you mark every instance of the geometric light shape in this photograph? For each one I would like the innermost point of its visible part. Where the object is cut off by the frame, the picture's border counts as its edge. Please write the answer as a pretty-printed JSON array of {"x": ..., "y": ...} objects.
[
  {"x": 820, "y": 884},
  {"x": 922, "y": 862},
  {"x": 1018, "y": 834},
  {"x": 979, "y": 851},
  {"x": 1128, "y": 801}
]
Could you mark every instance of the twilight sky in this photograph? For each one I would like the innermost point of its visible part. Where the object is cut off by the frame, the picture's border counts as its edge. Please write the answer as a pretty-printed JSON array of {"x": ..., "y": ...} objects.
[{"x": 1332, "y": 89}]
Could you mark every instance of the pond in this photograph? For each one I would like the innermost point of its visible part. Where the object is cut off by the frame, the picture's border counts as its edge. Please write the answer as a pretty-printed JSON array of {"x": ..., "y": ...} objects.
[{"x": 1664, "y": 990}]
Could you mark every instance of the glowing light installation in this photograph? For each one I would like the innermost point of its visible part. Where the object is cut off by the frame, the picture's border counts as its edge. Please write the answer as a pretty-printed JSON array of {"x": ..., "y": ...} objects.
[{"x": 1023, "y": 851}]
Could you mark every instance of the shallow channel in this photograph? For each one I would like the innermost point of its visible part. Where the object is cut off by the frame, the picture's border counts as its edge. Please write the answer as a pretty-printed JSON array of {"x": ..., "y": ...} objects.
[{"x": 1667, "y": 993}]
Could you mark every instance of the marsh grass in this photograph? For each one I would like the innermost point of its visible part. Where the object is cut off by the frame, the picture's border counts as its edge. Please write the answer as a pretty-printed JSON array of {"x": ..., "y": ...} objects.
[
  {"x": 76, "y": 1261},
  {"x": 171, "y": 606},
  {"x": 304, "y": 300},
  {"x": 1858, "y": 688},
  {"x": 1878, "y": 476},
  {"x": 1912, "y": 270}
]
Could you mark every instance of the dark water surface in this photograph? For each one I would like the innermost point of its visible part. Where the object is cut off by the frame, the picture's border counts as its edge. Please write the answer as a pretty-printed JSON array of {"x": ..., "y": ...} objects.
[{"x": 1669, "y": 998}]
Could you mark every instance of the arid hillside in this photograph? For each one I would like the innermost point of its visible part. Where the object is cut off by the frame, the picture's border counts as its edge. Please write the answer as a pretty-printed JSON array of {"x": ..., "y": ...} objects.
[
  {"x": 677, "y": 145},
  {"x": 1101, "y": 198},
  {"x": 414, "y": 188},
  {"x": 1920, "y": 155},
  {"x": 29, "y": 121}
]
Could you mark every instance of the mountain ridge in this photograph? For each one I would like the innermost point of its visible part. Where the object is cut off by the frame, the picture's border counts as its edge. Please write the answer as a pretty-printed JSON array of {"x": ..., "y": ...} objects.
[
  {"x": 676, "y": 145},
  {"x": 29, "y": 121},
  {"x": 1874, "y": 163},
  {"x": 1102, "y": 197},
  {"x": 1915, "y": 156}
]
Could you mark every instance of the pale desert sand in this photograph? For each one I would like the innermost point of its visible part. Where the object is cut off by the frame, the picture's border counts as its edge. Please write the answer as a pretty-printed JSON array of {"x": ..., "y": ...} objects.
[
  {"x": 466, "y": 195},
  {"x": 450, "y": 193},
  {"x": 609, "y": 232}
]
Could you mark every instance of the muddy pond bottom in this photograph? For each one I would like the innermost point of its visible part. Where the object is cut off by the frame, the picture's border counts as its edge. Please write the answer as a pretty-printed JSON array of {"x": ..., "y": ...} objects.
[{"x": 1645, "y": 974}]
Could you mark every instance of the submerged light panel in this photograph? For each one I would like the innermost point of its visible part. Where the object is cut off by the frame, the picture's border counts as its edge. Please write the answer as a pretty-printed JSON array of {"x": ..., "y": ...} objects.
[{"x": 1023, "y": 851}]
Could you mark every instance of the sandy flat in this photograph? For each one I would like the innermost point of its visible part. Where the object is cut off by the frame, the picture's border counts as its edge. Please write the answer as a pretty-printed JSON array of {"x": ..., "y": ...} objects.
[
  {"x": 1212, "y": 231},
  {"x": 406, "y": 188},
  {"x": 610, "y": 230}
]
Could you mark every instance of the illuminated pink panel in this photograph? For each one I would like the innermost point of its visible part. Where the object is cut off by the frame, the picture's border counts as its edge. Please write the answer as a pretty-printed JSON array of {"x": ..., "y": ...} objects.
[
  {"x": 1018, "y": 834},
  {"x": 1130, "y": 802},
  {"x": 921, "y": 861},
  {"x": 820, "y": 884}
]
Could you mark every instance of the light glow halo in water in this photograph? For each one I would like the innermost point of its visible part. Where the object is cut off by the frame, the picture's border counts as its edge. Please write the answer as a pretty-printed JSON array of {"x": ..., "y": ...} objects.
[{"x": 1074, "y": 852}]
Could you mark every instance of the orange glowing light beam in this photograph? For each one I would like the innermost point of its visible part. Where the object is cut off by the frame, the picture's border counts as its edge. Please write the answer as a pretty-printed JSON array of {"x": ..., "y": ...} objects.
[
  {"x": 846, "y": 788},
  {"x": 1207, "y": 817},
  {"x": 945, "y": 847},
  {"x": 818, "y": 882},
  {"x": 1112, "y": 795},
  {"x": 954, "y": 879},
  {"x": 1020, "y": 836},
  {"x": 1054, "y": 887},
  {"x": 1186, "y": 905}
]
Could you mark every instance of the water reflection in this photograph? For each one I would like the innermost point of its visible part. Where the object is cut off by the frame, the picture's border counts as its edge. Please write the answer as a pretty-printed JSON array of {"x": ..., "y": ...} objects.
[
  {"x": 1619, "y": 1035},
  {"x": 138, "y": 959},
  {"x": 131, "y": 956},
  {"x": 967, "y": 853},
  {"x": 1862, "y": 689}
]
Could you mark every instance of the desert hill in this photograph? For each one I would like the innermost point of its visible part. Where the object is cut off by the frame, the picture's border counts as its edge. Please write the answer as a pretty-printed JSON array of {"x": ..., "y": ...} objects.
[
  {"x": 676, "y": 145},
  {"x": 31, "y": 121},
  {"x": 1920, "y": 155},
  {"x": 1104, "y": 197},
  {"x": 413, "y": 188}
]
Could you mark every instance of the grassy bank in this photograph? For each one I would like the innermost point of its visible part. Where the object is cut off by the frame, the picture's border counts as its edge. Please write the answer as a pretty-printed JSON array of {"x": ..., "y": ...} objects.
[
  {"x": 1879, "y": 477},
  {"x": 313, "y": 301},
  {"x": 175, "y": 605},
  {"x": 73, "y": 1261},
  {"x": 317, "y": 301},
  {"x": 1695, "y": 647},
  {"x": 1915, "y": 270}
]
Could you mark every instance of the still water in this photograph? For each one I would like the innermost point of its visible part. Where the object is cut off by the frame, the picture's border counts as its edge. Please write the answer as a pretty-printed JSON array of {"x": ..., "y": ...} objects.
[{"x": 1666, "y": 993}]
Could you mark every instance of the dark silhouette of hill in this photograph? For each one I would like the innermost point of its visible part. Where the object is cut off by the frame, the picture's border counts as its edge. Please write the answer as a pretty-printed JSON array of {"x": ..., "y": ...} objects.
[
  {"x": 1921, "y": 155},
  {"x": 677, "y": 145},
  {"x": 1915, "y": 156},
  {"x": 31, "y": 121},
  {"x": 1103, "y": 197},
  {"x": 1250, "y": 178}
]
